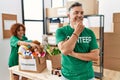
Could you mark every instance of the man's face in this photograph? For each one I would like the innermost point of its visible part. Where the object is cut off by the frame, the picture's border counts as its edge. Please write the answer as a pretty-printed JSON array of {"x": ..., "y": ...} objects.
[{"x": 76, "y": 14}]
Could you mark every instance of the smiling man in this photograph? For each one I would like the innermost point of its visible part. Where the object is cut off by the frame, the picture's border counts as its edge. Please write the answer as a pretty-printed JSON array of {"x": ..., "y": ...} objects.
[{"x": 78, "y": 46}]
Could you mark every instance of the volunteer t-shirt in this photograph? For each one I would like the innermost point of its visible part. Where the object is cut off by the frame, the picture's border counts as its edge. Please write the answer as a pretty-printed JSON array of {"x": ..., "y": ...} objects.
[
  {"x": 73, "y": 68},
  {"x": 13, "y": 58}
]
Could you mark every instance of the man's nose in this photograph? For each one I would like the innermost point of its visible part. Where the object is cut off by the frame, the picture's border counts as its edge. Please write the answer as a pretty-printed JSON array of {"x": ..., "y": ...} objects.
[{"x": 79, "y": 14}]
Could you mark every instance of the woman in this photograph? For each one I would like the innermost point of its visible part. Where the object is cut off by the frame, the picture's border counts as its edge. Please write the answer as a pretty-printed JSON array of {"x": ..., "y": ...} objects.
[{"x": 18, "y": 38}]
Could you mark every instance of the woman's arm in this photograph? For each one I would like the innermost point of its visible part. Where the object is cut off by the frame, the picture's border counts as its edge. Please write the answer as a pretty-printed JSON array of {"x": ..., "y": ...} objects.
[{"x": 27, "y": 44}]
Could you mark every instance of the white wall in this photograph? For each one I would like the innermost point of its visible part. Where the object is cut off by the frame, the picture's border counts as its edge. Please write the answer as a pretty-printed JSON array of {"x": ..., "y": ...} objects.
[
  {"x": 108, "y": 7},
  {"x": 9, "y": 7}
]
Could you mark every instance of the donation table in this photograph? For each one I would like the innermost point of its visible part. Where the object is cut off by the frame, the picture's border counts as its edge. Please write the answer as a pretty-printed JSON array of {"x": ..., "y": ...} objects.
[{"x": 44, "y": 75}]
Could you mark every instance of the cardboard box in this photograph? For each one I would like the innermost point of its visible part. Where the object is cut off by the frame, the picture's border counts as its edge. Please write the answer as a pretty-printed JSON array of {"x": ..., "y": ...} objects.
[
  {"x": 96, "y": 63},
  {"x": 111, "y": 39},
  {"x": 52, "y": 27},
  {"x": 55, "y": 60},
  {"x": 116, "y": 17},
  {"x": 112, "y": 45},
  {"x": 38, "y": 64},
  {"x": 90, "y": 6},
  {"x": 117, "y": 27},
  {"x": 111, "y": 51},
  {"x": 96, "y": 31},
  {"x": 112, "y": 63},
  {"x": 56, "y": 12},
  {"x": 51, "y": 12}
]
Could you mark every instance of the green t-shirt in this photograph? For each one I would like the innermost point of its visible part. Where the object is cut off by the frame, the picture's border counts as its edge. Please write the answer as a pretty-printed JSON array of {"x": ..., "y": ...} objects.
[
  {"x": 73, "y": 68},
  {"x": 13, "y": 58}
]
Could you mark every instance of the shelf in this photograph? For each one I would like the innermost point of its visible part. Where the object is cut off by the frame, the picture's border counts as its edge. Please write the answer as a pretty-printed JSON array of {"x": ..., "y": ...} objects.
[
  {"x": 57, "y": 17},
  {"x": 100, "y": 39},
  {"x": 98, "y": 75}
]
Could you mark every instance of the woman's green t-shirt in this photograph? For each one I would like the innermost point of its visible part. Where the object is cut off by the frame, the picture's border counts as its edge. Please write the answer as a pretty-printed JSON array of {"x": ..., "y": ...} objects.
[{"x": 13, "y": 58}]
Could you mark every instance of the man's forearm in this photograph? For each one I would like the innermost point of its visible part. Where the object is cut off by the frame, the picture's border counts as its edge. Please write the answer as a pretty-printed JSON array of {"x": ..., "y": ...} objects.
[
  {"x": 68, "y": 46},
  {"x": 92, "y": 56}
]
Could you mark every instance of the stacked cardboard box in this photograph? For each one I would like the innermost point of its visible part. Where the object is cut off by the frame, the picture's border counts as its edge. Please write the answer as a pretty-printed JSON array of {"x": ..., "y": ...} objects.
[
  {"x": 56, "y": 12},
  {"x": 90, "y": 6},
  {"x": 116, "y": 21},
  {"x": 96, "y": 31},
  {"x": 112, "y": 45}
]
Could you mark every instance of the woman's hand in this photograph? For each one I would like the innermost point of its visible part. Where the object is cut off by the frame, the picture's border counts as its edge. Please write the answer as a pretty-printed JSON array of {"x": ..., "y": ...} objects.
[{"x": 34, "y": 45}]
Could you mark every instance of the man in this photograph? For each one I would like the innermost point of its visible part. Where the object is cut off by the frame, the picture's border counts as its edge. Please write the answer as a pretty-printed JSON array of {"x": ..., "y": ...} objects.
[{"x": 78, "y": 46}]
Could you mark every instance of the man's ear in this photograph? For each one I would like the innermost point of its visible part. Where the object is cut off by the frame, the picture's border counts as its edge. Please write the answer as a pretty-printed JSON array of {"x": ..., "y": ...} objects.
[{"x": 68, "y": 14}]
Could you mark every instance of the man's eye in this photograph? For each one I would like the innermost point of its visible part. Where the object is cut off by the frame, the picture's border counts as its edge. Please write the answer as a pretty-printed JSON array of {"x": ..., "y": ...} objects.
[
  {"x": 76, "y": 12},
  {"x": 81, "y": 12}
]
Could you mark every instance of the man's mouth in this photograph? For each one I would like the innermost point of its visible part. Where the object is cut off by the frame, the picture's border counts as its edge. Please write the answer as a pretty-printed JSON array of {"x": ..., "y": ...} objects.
[{"x": 79, "y": 19}]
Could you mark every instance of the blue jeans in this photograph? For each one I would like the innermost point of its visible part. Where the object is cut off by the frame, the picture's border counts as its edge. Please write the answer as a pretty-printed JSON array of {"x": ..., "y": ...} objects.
[{"x": 63, "y": 78}]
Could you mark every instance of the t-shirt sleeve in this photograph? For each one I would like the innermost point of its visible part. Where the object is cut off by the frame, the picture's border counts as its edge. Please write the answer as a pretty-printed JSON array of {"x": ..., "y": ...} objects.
[
  {"x": 14, "y": 41},
  {"x": 26, "y": 39},
  {"x": 93, "y": 43},
  {"x": 60, "y": 36}
]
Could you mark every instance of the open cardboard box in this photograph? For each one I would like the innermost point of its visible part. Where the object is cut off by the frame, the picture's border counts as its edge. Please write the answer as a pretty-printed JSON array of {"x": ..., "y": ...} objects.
[
  {"x": 37, "y": 64},
  {"x": 55, "y": 60}
]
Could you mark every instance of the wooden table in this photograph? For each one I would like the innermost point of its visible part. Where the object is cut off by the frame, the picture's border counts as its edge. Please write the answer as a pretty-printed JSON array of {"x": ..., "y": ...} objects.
[{"x": 45, "y": 75}]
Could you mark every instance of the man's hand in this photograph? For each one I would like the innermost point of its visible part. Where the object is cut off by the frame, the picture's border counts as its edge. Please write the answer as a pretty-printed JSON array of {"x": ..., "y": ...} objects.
[{"x": 78, "y": 28}]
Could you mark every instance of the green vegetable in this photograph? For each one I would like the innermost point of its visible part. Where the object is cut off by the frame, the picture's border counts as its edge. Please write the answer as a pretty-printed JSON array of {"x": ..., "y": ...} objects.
[{"x": 52, "y": 51}]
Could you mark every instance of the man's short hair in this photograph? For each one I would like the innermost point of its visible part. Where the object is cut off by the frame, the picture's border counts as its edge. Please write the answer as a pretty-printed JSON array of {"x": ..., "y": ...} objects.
[{"x": 74, "y": 5}]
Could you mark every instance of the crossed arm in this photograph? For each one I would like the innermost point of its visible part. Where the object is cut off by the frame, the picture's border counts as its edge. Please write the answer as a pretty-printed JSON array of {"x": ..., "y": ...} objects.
[
  {"x": 91, "y": 56},
  {"x": 67, "y": 48}
]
